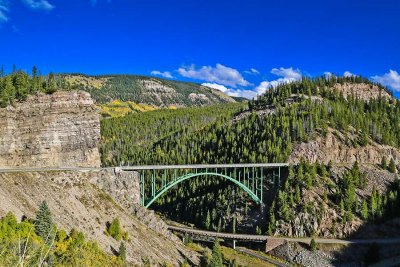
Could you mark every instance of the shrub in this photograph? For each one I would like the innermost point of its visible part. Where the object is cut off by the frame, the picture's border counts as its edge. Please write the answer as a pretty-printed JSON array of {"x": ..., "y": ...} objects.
[
  {"x": 313, "y": 245},
  {"x": 115, "y": 230}
]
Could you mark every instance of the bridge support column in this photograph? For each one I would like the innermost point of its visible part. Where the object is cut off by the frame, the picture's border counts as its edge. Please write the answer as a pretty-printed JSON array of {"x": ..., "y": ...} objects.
[{"x": 234, "y": 244}]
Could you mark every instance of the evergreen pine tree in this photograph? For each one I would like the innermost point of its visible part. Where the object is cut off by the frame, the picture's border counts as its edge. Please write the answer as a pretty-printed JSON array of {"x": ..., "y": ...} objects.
[
  {"x": 313, "y": 245},
  {"x": 298, "y": 194},
  {"x": 122, "y": 252},
  {"x": 43, "y": 221},
  {"x": 392, "y": 166},
  {"x": 383, "y": 163},
  {"x": 216, "y": 258},
  {"x": 341, "y": 207},
  {"x": 51, "y": 85},
  {"x": 7, "y": 92},
  {"x": 364, "y": 210},
  {"x": 234, "y": 224},
  {"x": 208, "y": 221}
]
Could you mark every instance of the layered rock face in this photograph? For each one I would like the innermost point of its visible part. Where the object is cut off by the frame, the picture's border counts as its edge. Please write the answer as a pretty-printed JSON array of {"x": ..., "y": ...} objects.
[
  {"x": 58, "y": 130},
  {"x": 339, "y": 148},
  {"x": 362, "y": 91}
]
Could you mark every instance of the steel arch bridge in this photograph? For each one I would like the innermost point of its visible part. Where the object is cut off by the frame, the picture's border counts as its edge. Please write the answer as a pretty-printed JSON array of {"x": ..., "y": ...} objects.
[{"x": 158, "y": 179}]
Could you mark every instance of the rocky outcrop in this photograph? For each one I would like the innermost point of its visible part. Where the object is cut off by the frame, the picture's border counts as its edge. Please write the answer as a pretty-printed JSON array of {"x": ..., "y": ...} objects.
[
  {"x": 361, "y": 91},
  {"x": 152, "y": 221},
  {"x": 58, "y": 130},
  {"x": 340, "y": 148},
  {"x": 124, "y": 188},
  {"x": 299, "y": 255}
]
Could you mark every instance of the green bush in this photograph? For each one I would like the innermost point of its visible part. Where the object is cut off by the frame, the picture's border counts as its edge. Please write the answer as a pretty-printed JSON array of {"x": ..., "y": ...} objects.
[
  {"x": 313, "y": 245},
  {"x": 115, "y": 230},
  {"x": 66, "y": 250}
]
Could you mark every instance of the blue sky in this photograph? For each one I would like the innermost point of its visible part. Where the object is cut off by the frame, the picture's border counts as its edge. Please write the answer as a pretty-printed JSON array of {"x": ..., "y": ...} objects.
[{"x": 240, "y": 47}]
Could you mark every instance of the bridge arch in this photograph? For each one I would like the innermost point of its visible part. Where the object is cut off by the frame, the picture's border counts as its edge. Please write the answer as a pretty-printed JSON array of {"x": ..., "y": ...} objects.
[{"x": 193, "y": 175}]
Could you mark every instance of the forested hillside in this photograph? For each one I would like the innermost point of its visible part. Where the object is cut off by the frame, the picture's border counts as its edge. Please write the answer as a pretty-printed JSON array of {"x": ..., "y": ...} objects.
[
  {"x": 146, "y": 90},
  {"x": 267, "y": 132},
  {"x": 128, "y": 140}
]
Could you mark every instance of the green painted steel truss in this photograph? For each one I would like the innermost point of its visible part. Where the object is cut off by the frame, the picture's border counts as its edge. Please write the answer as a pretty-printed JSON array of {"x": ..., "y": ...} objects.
[{"x": 251, "y": 178}]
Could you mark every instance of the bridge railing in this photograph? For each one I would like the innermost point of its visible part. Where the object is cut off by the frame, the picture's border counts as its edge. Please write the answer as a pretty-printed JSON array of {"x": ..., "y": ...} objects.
[{"x": 203, "y": 166}]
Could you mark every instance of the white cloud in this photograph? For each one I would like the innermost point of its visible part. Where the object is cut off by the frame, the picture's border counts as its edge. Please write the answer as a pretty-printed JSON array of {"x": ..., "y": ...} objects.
[
  {"x": 348, "y": 74},
  {"x": 287, "y": 75},
  {"x": 165, "y": 74},
  {"x": 219, "y": 74},
  {"x": 232, "y": 92},
  {"x": 3, "y": 11},
  {"x": 249, "y": 94},
  {"x": 252, "y": 71},
  {"x": 38, "y": 4},
  {"x": 216, "y": 86},
  {"x": 390, "y": 79}
]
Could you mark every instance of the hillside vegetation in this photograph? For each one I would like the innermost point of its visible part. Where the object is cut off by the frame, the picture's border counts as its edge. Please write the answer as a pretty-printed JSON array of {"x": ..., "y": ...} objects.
[
  {"x": 119, "y": 108},
  {"x": 38, "y": 242},
  {"x": 150, "y": 91},
  {"x": 269, "y": 131},
  {"x": 19, "y": 84},
  {"x": 129, "y": 140}
]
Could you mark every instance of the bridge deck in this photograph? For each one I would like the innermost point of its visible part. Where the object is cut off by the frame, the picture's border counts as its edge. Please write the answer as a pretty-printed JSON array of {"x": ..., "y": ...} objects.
[
  {"x": 204, "y": 166},
  {"x": 144, "y": 167}
]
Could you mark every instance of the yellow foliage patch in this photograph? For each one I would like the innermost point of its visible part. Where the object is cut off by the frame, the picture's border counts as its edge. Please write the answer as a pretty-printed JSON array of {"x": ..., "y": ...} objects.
[{"x": 118, "y": 108}]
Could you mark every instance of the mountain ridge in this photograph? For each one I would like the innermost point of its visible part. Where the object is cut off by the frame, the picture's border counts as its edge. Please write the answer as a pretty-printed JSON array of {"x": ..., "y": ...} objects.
[{"x": 147, "y": 90}]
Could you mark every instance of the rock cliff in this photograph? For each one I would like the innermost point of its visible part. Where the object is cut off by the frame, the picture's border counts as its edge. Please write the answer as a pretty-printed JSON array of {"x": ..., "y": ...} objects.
[
  {"x": 58, "y": 130},
  {"x": 339, "y": 147},
  {"x": 362, "y": 91}
]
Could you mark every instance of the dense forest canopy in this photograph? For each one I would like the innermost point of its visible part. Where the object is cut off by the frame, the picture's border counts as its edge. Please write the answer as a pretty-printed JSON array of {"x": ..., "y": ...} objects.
[{"x": 129, "y": 139}]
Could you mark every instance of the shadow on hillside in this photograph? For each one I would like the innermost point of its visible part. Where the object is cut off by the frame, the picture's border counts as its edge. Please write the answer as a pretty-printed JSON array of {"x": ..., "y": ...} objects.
[
  {"x": 382, "y": 229},
  {"x": 358, "y": 254}
]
